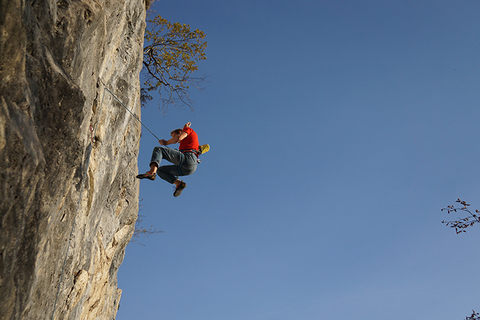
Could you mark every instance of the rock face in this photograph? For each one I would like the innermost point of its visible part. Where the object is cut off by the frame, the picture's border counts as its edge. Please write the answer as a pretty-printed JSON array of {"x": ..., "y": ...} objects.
[{"x": 68, "y": 200}]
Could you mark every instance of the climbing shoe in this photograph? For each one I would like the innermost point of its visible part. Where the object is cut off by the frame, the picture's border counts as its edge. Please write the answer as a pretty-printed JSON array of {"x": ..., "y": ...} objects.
[
  {"x": 179, "y": 189},
  {"x": 148, "y": 175}
]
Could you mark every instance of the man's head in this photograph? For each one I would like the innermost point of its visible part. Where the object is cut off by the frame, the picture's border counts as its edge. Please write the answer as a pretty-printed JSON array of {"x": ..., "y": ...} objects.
[{"x": 176, "y": 132}]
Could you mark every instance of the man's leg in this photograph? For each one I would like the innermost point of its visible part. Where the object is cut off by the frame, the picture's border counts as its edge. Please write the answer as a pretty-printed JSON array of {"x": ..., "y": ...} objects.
[
  {"x": 170, "y": 174},
  {"x": 159, "y": 153}
]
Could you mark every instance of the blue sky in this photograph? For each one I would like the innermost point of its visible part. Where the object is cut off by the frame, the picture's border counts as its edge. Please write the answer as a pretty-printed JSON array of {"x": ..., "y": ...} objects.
[{"x": 339, "y": 129}]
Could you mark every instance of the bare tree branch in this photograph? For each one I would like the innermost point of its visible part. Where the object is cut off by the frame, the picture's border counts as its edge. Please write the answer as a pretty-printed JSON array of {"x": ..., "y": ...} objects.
[{"x": 461, "y": 224}]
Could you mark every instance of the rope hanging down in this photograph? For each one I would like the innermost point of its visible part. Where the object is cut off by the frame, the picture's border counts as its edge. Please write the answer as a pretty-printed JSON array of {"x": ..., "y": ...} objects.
[
  {"x": 83, "y": 183},
  {"x": 133, "y": 114}
]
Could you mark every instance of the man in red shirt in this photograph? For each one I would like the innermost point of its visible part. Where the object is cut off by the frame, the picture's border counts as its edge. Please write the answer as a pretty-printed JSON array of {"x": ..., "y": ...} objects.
[{"x": 184, "y": 160}]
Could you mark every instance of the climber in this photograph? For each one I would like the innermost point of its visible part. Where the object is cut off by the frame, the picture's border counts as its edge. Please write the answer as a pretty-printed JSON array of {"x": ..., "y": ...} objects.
[{"x": 184, "y": 160}]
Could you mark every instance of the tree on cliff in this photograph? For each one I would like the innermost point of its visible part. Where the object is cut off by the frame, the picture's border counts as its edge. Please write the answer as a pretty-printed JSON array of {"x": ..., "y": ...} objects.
[
  {"x": 461, "y": 224},
  {"x": 170, "y": 56},
  {"x": 474, "y": 316}
]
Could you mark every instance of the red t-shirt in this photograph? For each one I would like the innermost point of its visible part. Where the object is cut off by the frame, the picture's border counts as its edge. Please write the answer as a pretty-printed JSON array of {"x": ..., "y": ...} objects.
[{"x": 190, "y": 142}]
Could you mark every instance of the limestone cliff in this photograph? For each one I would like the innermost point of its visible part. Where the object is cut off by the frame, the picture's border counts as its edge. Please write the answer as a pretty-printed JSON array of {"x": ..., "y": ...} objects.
[{"x": 54, "y": 55}]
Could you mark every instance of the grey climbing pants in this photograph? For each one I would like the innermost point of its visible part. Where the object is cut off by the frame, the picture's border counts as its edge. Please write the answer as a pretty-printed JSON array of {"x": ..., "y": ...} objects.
[{"x": 184, "y": 164}]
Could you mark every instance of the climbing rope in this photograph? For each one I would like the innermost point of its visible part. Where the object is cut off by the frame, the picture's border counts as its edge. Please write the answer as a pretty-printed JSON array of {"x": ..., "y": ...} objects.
[
  {"x": 93, "y": 129},
  {"x": 133, "y": 114}
]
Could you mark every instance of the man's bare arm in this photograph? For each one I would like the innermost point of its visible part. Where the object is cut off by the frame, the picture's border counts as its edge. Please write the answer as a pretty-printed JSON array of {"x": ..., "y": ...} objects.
[{"x": 175, "y": 139}]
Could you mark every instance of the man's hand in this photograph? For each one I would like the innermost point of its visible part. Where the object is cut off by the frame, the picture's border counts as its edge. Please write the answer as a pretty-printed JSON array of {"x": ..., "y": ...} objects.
[
  {"x": 163, "y": 142},
  {"x": 187, "y": 125}
]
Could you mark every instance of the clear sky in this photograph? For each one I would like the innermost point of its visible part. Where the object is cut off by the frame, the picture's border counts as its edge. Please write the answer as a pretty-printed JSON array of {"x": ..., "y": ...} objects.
[{"x": 339, "y": 129}]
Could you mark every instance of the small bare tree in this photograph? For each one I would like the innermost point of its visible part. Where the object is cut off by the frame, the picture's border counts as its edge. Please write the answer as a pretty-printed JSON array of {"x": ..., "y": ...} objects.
[{"x": 142, "y": 231}]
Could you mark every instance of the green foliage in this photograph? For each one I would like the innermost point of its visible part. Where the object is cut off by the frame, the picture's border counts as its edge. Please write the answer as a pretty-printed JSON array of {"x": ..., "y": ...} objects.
[
  {"x": 462, "y": 223},
  {"x": 170, "y": 57}
]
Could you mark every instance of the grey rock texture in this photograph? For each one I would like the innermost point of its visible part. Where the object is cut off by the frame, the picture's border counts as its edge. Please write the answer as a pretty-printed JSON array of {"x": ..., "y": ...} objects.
[{"x": 55, "y": 56}]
